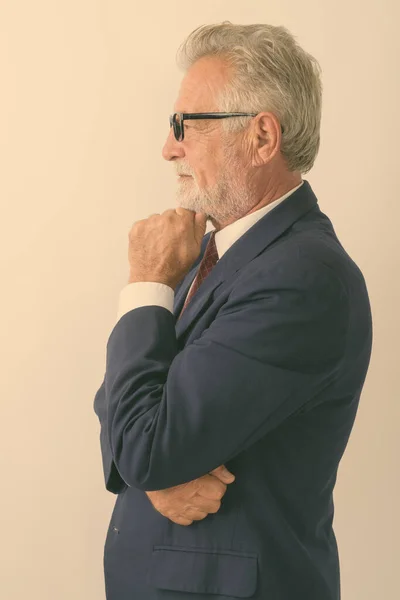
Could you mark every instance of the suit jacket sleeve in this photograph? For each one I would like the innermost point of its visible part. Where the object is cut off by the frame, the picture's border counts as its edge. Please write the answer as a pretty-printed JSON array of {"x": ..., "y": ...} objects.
[
  {"x": 133, "y": 295},
  {"x": 113, "y": 480},
  {"x": 171, "y": 416}
]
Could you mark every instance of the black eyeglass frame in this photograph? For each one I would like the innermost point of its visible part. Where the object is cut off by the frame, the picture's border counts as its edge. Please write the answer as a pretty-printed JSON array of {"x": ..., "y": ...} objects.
[{"x": 179, "y": 130}]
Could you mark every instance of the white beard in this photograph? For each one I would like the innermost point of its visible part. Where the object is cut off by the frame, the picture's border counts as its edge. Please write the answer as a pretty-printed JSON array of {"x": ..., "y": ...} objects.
[{"x": 228, "y": 200}]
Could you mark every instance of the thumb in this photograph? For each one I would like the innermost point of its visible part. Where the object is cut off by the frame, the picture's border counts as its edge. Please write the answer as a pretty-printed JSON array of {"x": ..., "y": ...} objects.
[{"x": 223, "y": 474}]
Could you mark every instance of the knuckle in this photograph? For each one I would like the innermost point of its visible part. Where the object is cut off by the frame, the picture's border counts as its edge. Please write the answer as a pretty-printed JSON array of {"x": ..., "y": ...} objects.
[
  {"x": 135, "y": 227},
  {"x": 187, "y": 511},
  {"x": 197, "y": 484}
]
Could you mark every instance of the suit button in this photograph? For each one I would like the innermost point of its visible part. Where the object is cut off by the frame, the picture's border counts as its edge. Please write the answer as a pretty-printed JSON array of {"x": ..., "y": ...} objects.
[{"x": 115, "y": 529}]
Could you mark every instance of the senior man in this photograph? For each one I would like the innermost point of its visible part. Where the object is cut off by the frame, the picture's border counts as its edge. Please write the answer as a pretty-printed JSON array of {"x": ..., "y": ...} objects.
[{"x": 244, "y": 348}]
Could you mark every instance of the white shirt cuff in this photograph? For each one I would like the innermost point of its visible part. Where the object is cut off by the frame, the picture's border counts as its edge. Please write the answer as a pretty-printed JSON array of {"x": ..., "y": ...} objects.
[{"x": 145, "y": 293}]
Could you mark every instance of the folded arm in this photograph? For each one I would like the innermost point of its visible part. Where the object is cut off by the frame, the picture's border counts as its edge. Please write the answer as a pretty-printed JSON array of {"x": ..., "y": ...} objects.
[{"x": 168, "y": 417}]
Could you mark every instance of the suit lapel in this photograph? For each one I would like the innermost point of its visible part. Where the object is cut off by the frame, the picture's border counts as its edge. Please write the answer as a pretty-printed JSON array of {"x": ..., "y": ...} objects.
[{"x": 265, "y": 231}]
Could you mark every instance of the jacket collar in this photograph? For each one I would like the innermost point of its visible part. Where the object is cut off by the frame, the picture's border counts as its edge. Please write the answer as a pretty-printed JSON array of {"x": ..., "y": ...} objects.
[{"x": 263, "y": 233}]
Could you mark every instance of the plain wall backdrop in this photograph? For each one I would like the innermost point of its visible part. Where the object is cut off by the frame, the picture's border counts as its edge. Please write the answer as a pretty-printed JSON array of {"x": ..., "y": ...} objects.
[{"x": 86, "y": 90}]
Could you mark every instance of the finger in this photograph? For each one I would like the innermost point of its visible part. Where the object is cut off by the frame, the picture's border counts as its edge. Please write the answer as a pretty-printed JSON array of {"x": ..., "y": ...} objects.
[
  {"x": 206, "y": 504},
  {"x": 201, "y": 503},
  {"x": 211, "y": 487},
  {"x": 185, "y": 212},
  {"x": 200, "y": 220},
  {"x": 181, "y": 521},
  {"x": 195, "y": 514}
]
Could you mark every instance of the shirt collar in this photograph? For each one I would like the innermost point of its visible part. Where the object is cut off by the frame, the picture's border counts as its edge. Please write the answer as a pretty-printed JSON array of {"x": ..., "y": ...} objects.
[{"x": 224, "y": 238}]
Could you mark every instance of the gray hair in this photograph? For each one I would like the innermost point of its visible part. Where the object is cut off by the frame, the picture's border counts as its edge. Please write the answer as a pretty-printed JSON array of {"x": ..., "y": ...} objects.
[{"x": 271, "y": 73}]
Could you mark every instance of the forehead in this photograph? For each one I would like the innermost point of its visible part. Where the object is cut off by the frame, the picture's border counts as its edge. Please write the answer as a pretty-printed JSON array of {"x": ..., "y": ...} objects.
[{"x": 200, "y": 85}]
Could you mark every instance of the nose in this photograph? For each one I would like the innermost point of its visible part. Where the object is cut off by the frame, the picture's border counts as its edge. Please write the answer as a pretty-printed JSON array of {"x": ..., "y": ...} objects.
[{"x": 172, "y": 148}]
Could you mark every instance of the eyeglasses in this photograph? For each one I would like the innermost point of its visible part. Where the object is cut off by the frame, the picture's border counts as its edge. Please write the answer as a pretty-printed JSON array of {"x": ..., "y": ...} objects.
[{"x": 176, "y": 120}]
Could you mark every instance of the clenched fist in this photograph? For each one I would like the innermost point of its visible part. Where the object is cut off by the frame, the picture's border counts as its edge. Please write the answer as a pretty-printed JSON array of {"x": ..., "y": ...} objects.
[{"x": 194, "y": 500}]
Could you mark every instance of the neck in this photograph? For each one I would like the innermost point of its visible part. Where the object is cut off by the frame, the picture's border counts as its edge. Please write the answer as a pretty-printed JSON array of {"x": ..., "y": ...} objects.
[{"x": 274, "y": 191}]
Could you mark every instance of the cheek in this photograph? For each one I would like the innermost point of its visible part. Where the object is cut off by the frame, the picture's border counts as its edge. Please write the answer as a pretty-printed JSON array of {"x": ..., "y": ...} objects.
[
  {"x": 206, "y": 164},
  {"x": 209, "y": 171}
]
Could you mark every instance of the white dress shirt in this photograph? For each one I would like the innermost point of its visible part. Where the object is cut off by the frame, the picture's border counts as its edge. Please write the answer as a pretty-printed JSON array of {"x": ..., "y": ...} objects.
[{"x": 149, "y": 293}]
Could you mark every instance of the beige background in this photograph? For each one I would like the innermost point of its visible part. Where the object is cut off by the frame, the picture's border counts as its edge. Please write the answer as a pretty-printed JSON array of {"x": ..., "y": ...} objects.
[{"x": 86, "y": 90}]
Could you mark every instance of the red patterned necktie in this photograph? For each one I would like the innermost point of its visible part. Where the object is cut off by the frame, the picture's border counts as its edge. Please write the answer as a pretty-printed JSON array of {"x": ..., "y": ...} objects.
[{"x": 208, "y": 261}]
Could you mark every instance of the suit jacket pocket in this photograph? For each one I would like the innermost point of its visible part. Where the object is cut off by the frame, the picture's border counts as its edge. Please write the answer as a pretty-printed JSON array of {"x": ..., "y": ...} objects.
[{"x": 203, "y": 570}]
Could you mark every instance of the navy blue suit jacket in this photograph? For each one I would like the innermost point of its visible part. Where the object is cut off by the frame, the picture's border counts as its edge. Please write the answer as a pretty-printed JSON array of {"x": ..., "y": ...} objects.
[{"x": 262, "y": 373}]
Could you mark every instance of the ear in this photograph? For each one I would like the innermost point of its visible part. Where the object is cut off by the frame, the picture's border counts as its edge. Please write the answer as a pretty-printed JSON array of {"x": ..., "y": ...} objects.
[{"x": 267, "y": 136}]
